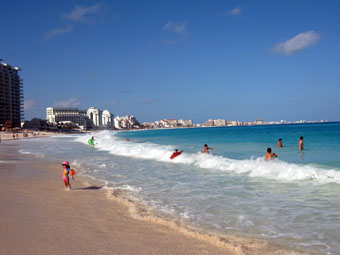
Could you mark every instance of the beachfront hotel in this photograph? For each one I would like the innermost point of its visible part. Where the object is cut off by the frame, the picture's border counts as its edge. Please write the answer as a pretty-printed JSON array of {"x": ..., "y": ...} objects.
[
  {"x": 100, "y": 118},
  {"x": 107, "y": 119},
  {"x": 86, "y": 119},
  {"x": 126, "y": 122},
  {"x": 56, "y": 115},
  {"x": 11, "y": 95}
]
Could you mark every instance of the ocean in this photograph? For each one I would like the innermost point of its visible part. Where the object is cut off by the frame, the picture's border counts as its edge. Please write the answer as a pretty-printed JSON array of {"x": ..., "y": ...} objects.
[{"x": 292, "y": 200}]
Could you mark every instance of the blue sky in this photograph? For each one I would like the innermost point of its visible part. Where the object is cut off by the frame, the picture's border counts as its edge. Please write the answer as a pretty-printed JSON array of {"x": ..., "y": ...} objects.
[{"x": 238, "y": 60}]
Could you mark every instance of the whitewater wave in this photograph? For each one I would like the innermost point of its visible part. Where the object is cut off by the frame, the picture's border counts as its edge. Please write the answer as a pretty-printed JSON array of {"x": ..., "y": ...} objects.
[
  {"x": 37, "y": 155},
  {"x": 274, "y": 170}
]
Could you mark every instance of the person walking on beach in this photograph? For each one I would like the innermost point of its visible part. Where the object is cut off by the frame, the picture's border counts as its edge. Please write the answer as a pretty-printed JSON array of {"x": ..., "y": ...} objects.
[
  {"x": 279, "y": 144},
  {"x": 66, "y": 173},
  {"x": 301, "y": 143},
  {"x": 270, "y": 155},
  {"x": 206, "y": 149}
]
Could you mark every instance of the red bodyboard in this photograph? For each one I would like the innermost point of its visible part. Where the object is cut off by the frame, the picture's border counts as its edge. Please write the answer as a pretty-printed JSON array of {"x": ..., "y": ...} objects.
[
  {"x": 174, "y": 155},
  {"x": 73, "y": 172}
]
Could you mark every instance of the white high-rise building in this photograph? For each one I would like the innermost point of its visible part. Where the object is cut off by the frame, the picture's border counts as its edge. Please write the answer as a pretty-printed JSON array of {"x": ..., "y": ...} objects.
[
  {"x": 95, "y": 115},
  {"x": 107, "y": 118},
  {"x": 74, "y": 115},
  {"x": 126, "y": 122}
]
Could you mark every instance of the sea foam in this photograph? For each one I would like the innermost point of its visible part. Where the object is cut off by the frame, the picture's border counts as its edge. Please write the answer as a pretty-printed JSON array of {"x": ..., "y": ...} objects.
[{"x": 256, "y": 168}]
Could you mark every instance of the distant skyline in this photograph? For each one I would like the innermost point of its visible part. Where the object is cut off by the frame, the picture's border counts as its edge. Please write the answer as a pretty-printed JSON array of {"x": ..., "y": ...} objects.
[{"x": 199, "y": 60}]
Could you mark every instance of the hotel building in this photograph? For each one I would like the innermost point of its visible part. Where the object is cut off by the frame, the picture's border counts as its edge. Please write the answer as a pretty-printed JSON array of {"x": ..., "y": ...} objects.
[
  {"x": 87, "y": 119},
  {"x": 11, "y": 95},
  {"x": 107, "y": 119},
  {"x": 75, "y": 115}
]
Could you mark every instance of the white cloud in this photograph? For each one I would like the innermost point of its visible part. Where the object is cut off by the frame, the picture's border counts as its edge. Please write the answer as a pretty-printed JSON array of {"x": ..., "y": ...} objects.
[
  {"x": 57, "y": 31},
  {"x": 113, "y": 103},
  {"x": 296, "y": 44},
  {"x": 72, "y": 102},
  {"x": 175, "y": 27},
  {"x": 30, "y": 104},
  {"x": 236, "y": 11},
  {"x": 80, "y": 13}
]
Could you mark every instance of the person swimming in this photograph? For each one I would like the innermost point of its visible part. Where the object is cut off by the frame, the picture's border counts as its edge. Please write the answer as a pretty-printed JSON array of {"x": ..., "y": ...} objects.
[
  {"x": 206, "y": 149},
  {"x": 270, "y": 155},
  {"x": 175, "y": 154},
  {"x": 279, "y": 144},
  {"x": 91, "y": 141}
]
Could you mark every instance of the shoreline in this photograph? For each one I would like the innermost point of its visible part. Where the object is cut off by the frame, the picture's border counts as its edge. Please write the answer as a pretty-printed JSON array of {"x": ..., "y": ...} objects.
[
  {"x": 5, "y": 136},
  {"x": 110, "y": 201}
]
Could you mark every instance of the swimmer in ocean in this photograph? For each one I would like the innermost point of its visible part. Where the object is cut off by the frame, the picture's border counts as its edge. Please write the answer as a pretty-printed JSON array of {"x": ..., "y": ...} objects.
[
  {"x": 206, "y": 149},
  {"x": 91, "y": 141},
  {"x": 270, "y": 155},
  {"x": 175, "y": 154},
  {"x": 279, "y": 144}
]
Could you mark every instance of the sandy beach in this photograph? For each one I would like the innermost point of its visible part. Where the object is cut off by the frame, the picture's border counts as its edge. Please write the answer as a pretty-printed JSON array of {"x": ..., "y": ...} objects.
[
  {"x": 29, "y": 133},
  {"x": 38, "y": 216}
]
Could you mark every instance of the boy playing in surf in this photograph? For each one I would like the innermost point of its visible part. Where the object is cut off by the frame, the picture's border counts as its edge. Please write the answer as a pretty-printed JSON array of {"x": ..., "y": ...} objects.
[
  {"x": 175, "y": 154},
  {"x": 66, "y": 172},
  {"x": 91, "y": 141},
  {"x": 206, "y": 149},
  {"x": 270, "y": 155}
]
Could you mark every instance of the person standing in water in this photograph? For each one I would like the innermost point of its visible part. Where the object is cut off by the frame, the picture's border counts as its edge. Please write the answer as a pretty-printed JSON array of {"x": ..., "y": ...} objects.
[
  {"x": 66, "y": 173},
  {"x": 270, "y": 155},
  {"x": 91, "y": 141},
  {"x": 206, "y": 149},
  {"x": 279, "y": 144},
  {"x": 301, "y": 143}
]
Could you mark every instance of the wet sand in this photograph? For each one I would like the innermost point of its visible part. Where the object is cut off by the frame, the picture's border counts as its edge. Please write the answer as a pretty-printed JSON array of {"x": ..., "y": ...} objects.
[{"x": 38, "y": 216}]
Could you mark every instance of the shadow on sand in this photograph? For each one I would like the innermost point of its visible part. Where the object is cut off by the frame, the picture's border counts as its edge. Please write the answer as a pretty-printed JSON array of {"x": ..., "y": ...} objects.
[{"x": 90, "y": 188}]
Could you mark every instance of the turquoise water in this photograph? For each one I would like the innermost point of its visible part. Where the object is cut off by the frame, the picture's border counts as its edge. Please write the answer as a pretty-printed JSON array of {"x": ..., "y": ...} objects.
[
  {"x": 322, "y": 141},
  {"x": 292, "y": 201}
]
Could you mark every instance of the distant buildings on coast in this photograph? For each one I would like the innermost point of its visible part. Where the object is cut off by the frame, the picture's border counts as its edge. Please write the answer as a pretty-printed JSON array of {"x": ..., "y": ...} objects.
[
  {"x": 73, "y": 119},
  {"x": 11, "y": 96},
  {"x": 168, "y": 123},
  {"x": 92, "y": 118},
  {"x": 173, "y": 123}
]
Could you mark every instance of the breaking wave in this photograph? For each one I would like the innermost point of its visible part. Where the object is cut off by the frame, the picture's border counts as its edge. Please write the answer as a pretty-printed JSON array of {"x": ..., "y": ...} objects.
[{"x": 274, "y": 170}]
